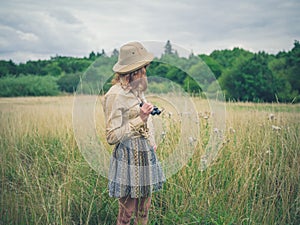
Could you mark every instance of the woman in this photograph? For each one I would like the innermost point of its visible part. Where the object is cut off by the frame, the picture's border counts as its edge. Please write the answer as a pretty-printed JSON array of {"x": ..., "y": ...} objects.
[{"x": 134, "y": 172}]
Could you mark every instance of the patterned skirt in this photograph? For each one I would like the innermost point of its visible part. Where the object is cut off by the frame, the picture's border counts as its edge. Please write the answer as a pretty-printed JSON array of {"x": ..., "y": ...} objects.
[{"x": 134, "y": 169}]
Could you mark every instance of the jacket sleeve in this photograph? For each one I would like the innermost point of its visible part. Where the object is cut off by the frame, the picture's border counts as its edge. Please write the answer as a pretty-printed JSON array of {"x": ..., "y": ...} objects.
[
  {"x": 118, "y": 127},
  {"x": 151, "y": 131}
]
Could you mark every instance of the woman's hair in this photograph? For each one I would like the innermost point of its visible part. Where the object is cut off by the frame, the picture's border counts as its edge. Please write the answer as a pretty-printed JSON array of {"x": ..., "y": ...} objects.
[{"x": 118, "y": 76}]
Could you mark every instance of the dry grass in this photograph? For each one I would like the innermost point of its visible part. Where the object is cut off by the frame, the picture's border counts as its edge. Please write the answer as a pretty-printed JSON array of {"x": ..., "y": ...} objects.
[{"x": 254, "y": 180}]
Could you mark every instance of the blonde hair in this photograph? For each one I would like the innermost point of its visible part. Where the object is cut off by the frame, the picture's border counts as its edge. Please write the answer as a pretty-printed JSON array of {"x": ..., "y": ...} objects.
[{"x": 119, "y": 76}]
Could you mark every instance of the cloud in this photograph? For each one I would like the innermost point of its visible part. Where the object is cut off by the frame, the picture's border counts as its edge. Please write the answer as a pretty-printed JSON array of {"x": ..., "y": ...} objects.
[{"x": 32, "y": 28}]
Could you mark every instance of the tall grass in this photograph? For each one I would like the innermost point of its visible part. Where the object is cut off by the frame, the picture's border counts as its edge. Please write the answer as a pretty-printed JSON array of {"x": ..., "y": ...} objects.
[{"x": 254, "y": 180}]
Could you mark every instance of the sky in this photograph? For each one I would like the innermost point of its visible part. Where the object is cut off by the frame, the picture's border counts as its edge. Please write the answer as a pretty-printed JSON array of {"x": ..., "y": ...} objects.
[{"x": 38, "y": 29}]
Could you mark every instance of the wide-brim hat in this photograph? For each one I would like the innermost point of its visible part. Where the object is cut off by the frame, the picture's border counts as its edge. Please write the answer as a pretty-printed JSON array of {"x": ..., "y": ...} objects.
[{"x": 132, "y": 56}]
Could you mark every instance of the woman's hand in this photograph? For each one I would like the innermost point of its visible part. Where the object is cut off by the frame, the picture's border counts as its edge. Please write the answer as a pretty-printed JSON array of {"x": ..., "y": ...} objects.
[
  {"x": 154, "y": 148},
  {"x": 146, "y": 109}
]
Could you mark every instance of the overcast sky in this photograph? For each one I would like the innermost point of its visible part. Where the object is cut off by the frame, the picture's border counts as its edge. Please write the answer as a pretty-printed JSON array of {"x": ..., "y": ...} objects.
[{"x": 37, "y": 29}]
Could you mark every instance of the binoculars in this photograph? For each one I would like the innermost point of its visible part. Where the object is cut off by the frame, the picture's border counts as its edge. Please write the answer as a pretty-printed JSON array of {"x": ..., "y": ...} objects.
[{"x": 155, "y": 111}]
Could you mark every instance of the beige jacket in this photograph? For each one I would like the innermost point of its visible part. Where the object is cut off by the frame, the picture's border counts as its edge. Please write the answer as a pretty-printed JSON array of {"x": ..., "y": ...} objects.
[{"x": 122, "y": 110}]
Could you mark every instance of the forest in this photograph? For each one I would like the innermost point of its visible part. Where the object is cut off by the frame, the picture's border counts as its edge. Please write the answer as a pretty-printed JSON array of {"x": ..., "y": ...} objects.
[{"x": 242, "y": 75}]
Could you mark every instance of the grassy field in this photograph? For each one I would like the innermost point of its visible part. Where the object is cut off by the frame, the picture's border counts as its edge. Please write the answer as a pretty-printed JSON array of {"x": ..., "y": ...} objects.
[{"x": 254, "y": 180}]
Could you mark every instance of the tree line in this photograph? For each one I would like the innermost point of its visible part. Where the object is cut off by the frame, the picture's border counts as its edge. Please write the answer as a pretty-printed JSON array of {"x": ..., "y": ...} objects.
[{"x": 241, "y": 74}]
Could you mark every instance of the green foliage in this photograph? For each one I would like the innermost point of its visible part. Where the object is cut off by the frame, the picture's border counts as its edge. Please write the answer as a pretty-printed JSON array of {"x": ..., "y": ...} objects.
[
  {"x": 53, "y": 69},
  {"x": 165, "y": 70},
  {"x": 168, "y": 48},
  {"x": 227, "y": 58},
  {"x": 68, "y": 82},
  {"x": 215, "y": 66},
  {"x": 28, "y": 86},
  {"x": 291, "y": 66},
  {"x": 32, "y": 67},
  {"x": 243, "y": 75},
  {"x": 72, "y": 65},
  {"x": 160, "y": 87},
  {"x": 202, "y": 75},
  {"x": 96, "y": 79},
  {"x": 262, "y": 77},
  {"x": 251, "y": 80},
  {"x": 7, "y": 67},
  {"x": 191, "y": 86}
]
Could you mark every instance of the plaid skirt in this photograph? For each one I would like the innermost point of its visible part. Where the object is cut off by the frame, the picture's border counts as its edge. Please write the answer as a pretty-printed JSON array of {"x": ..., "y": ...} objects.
[{"x": 134, "y": 169}]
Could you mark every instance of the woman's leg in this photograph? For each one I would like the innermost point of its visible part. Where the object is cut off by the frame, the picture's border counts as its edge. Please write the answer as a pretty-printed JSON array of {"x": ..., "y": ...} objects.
[
  {"x": 126, "y": 208},
  {"x": 141, "y": 210}
]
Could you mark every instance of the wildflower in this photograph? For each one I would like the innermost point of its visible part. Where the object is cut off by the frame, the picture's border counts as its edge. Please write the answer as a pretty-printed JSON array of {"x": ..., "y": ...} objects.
[
  {"x": 205, "y": 117},
  {"x": 170, "y": 114},
  {"x": 271, "y": 116},
  {"x": 204, "y": 159},
  {"x": 231, "y": 130},
  {"x": 163, "y": 135},
  {"x": 192, "y": 140},
  {"x": 207, "y": 114},
  {"x": 276, "y": 128}
]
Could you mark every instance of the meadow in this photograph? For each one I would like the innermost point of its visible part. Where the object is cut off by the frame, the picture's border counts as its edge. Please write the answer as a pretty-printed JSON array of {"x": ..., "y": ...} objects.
[{"x": 44, "y": 179}]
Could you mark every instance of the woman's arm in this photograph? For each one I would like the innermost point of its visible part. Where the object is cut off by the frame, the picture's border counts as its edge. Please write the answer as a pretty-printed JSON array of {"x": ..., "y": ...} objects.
[
  {"x": 118, "y": 127},
  {"x": 151, "y": 133}
]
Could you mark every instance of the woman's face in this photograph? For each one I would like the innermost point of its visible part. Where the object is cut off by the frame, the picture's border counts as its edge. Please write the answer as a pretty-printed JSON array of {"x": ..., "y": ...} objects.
[{"x": 139, "y": 80}]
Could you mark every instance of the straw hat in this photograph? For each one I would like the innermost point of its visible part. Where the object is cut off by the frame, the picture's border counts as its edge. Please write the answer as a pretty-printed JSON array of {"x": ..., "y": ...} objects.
[{"x": 132, "y": 56}]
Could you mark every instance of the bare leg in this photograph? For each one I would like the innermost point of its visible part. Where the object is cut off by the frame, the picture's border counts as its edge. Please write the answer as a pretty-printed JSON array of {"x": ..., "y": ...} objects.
[
  {"x": 142, "y": 210},
  {"x": 126, "y": 208}
]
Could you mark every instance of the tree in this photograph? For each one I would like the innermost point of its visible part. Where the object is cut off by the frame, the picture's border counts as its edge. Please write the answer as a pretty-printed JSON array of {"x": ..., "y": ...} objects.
[
  {"x": 215, "y": 67},
  {"x": 191, "y": 86},
  {"x": 69, "y": 82},
  {"x": 168, "y": 48},
  {"x": 115, "y": 53},
  {"x": 161, "y": 70},
  {"x": 227, "y": 58},
  {"x": 92, "y": 55},
  {"x": 176, "y": 75},
  {"x": 102, "y": 53},
  {"x": 202, "y": 74},
  {"x": 7, "y": 67},
  {"x": 252, "y": 80},
  {"x": 293, "y": 67},
  {"x": 53, "y": 69},
  {"x": 29, "y": 85},
  {"x": 279, "y": 70}
]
